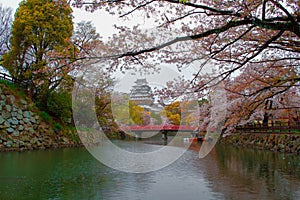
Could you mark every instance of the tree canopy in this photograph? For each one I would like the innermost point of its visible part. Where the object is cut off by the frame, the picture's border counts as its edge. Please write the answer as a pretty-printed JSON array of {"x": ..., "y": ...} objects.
[
  {"x": 233, "y": 33},
  {"x": 253, "y": 46},
  {"x": 5, "y": 28},
  {"x": 41, "y": 34}
]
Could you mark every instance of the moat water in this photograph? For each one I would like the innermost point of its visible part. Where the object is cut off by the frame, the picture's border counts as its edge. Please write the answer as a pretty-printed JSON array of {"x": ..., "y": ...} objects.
[{"x": 226, "y": 173}]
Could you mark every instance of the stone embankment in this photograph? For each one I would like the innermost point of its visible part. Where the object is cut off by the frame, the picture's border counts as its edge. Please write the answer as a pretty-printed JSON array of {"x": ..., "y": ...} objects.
[
  {"x": 288, "y": 143},
  {"x": 21, "y": 128}
]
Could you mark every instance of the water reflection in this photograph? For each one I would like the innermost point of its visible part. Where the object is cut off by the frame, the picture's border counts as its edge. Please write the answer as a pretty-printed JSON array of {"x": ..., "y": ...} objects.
[
  {"x": 253, "y": 174},
  {"x": 227, "y": 173}
]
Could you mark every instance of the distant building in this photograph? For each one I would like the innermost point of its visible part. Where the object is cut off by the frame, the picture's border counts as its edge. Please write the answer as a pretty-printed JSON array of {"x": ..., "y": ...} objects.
[{"x": 141, "y": 93}]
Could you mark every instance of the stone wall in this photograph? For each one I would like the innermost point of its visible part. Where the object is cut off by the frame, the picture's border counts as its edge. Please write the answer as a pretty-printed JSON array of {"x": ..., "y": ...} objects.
[
  {"x": 21, "y": 128},
  {"x": 288, "y": 143}
]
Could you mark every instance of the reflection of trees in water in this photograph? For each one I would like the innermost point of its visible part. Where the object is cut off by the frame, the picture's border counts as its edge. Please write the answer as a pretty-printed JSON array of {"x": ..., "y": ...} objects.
[
  {"x": 64, "y": 174},
  {"x": 253, "y": 174}
]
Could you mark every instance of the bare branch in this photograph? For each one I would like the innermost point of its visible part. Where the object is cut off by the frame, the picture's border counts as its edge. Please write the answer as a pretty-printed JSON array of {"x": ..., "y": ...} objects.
[
  {"x": 101, "y": 2},
  {"x": 138, "y": 7},
  {"x": 285, "y": 11},
  {"x": 205, "y": 7},
  {"x": 224, "y": 75},
  {"x": 263, "y": 17},
  {"x": 181, "y": 17}
]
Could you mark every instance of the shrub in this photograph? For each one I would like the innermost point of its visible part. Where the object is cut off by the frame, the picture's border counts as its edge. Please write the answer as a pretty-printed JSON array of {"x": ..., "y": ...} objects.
[
  {"x": 59, "y": 104},
  {"x": 57, "y": 127},
  {"x": 14, "y": 88},
  {"x": 9, "y": 84},
  {"x": 45, "y": 116}
]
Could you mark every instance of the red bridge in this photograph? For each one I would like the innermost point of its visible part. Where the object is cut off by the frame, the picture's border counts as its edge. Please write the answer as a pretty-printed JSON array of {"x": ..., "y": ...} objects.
[
  {"x": 168, "y": 127},
  {"x": 165, "y": 130}
]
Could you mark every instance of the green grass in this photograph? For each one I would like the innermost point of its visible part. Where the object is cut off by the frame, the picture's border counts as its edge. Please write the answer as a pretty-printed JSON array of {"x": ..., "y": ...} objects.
[
  {"x": 284, "y": 131},
  {"x": 9, "y": 84},
  {"x": 14, "y": 88}
]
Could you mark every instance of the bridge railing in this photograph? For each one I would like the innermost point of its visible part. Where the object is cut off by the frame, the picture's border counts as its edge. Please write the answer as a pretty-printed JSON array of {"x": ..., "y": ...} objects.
[
  {"x": 281, "y": 128},
  {"x": 159, "y": 127}
]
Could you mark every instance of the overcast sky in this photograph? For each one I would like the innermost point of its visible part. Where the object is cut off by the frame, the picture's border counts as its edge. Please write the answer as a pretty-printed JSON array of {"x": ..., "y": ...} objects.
[{"x": 101, "y": 20}]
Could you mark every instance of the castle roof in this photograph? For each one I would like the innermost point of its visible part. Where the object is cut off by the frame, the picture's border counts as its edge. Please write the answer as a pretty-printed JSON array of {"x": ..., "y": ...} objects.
[
  {"x": 142, "y": 81},
  {"x": 141, "y": 92}
]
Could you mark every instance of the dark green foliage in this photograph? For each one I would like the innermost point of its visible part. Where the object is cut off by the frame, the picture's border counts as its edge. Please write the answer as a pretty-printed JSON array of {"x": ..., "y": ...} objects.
[
  {"x": 45, "y": 117},
  {"x": 14, "y": 87},
  {"x": 59, "y": 105},
  {"x": 57, "y": 127},
  {"x": 202, "y": 101},
  {"x": 41, "y": 36},
  {"x": 9, "y": 84}
]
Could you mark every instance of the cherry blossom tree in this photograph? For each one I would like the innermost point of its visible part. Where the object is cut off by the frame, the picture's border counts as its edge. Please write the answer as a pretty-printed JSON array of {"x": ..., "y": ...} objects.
[
  {"x": 252, "y": 45},
  {"x": 5, "y": 28},
  {"x": 263, "y": 93}
]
